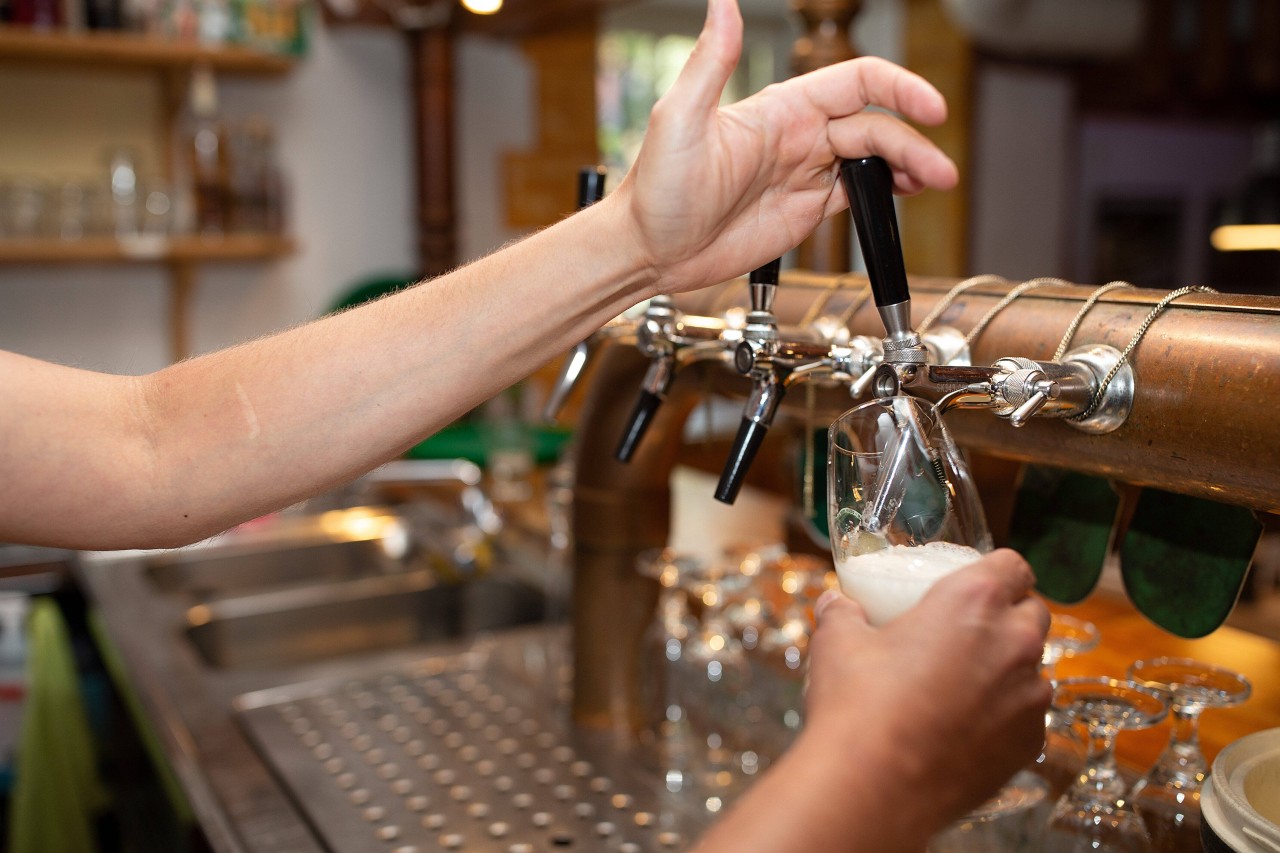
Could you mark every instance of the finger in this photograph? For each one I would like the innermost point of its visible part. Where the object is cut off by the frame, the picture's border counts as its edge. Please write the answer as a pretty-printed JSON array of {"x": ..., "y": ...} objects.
[
  {"x": 1032, "y": 616},
  {"x": 917, "y": 162},
  {"x": 998, "y": 579},
  {"x": 836, "y": 613},
  {"x": 1010, "y": 570},
  {"x": 715, "y": 55},
  {"x": 849, "y": 87}
]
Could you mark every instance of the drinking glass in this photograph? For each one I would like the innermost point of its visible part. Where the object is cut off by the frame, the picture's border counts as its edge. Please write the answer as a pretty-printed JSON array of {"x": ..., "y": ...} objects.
[
  {"x": 901, "y": 506},
  {"x": 1064, "y": 751},
  {"x": 1168, "y": 796},
  {"x": 1094, "y": 814},
  {"x": 1002, "y": 823},
  {"x": 790, "y": 585},
  {"x": 903, "y": 512},
  {"x": 716, "y": 692},
  {"x": 664, "y": 668}
]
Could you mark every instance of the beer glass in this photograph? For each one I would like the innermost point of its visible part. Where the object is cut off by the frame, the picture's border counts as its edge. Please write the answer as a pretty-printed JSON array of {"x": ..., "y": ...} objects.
[
  {"x": 902, "y": 509},
  {"x": 1168, "y": 796},
  {"x": 1094, "y": 814}
]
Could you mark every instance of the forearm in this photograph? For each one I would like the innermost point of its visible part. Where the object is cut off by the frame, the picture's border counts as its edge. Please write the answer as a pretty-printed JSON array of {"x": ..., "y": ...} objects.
[
  {"x": 215, "y": 440},
  {"x": 839, "y": 791}
]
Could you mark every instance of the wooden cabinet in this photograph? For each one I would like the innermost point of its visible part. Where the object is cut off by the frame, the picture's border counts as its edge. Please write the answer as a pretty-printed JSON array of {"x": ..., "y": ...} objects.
[{"x": 170, "y": 64}]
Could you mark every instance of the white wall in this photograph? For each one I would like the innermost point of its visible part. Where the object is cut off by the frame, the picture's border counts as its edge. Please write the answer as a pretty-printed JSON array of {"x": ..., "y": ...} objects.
[{"x": 1023, "y": 147}]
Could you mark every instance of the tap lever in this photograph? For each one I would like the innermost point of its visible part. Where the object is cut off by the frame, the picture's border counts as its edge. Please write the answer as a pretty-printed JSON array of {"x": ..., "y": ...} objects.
[
  {"x": 590, "y": 190},
  {"x": 642, "y": 413},
  {"x": 868, "y": 183},
  {"x": 746, "y": 444},
  {"x": 764, "y": 286},
  {"x": 591, "y": 185}
]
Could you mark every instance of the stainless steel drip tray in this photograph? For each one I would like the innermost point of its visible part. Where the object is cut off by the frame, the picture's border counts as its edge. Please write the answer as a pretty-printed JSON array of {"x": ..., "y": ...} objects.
[{"x": 467, "y": 751}]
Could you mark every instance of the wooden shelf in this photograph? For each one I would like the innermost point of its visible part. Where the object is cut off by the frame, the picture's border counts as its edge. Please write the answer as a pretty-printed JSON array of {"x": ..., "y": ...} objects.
[
  {"x": 113, "y": 49},
  {"x": 191, "y": 249}
]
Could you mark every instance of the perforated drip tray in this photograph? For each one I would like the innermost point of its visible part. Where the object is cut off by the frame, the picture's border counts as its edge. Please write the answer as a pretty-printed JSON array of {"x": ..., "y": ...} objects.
[{"x": 464, "y": 752}]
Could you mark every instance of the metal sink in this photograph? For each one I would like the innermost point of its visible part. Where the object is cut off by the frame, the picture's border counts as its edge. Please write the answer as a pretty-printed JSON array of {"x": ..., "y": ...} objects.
[
  {"x": 332, "y": 546},
  {"x": 321, "y": 621}
]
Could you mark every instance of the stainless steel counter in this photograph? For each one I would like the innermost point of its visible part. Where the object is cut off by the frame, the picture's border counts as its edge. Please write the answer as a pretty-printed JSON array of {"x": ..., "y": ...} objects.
[{"x": 226, "y": 646}]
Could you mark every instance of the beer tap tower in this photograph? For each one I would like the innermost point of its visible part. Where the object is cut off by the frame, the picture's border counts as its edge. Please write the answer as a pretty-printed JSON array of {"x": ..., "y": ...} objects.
[{"x": 1091, "y": 387}]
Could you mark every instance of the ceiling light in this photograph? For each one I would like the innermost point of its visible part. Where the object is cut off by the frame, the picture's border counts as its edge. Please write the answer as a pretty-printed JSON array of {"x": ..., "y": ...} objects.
[
  {"x": 482, "y": 7},
  {"x": 1250, "y": 220}
]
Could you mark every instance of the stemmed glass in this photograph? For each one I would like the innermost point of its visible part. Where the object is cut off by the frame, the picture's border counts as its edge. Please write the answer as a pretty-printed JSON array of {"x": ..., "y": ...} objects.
[
  {"x": 1094, "y": 813},
  {"x": 663, "y": 667},
  {"x": 790, "y": 585},
  {"x": 1064, "y": 751},
  {"x": 717, "y": 695},
  {"x": 901, "y": 506},
  {"x": 1168, "y": 796},
  {"x": 903, "y": 512}
]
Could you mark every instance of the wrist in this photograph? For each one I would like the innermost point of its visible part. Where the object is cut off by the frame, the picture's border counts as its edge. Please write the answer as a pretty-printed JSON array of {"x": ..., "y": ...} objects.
[
  {"x": 873, "y": 782},
  {"x": 618, "y": 234}
]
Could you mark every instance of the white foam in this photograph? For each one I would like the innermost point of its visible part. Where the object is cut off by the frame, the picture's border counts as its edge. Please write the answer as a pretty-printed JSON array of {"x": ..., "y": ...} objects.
[{"x": 892, "y": 580}]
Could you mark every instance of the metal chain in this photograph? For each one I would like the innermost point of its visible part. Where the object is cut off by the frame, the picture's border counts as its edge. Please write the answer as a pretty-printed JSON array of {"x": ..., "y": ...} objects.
[
  {"x": 815, "y": 308},
  {"x": 810, "y": 420},
  {"x": 857, "y": 303},
  {"x": 1004, "y": 303},
  {"x": 1079, "y": 318},
  {"x": 945, "y": 302},
  {"x": 1133, "y": 343}
]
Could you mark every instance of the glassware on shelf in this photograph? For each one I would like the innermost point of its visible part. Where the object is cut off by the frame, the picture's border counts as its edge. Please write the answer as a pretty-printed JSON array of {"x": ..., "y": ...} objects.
[
  {"x": 664, "y": 668},
  {"x": 716, "y": 693},
  {"x": 1003, "y": 823},
  {"x": 1095, "y": 813},
  {"x": 1064, "y": 750},
  {"x": 791, "y": 584},
  {"x": 1068, "y": 636},
  {"x": 1168, "y": 796}
]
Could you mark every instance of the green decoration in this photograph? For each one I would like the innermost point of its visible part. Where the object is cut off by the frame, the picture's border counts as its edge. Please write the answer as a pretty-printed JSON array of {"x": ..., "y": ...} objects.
[{"x": 1184, "y": 560}]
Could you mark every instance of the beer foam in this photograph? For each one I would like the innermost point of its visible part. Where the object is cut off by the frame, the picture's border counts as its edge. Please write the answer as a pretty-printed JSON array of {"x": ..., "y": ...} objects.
[{"x": 892, "y": 580}]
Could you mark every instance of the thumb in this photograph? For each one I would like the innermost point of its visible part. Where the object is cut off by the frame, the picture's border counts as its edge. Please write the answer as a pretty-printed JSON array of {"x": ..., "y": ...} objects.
[
  {"x": 703, "y": 78},
  {"x": 838, "y": 612}
]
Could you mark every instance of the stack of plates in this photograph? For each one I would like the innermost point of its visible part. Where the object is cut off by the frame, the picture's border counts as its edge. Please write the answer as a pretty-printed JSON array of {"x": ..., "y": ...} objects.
[{"x": 1240, "y": 803}]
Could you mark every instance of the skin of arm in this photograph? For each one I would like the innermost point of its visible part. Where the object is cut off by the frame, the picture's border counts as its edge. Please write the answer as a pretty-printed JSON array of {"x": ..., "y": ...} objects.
[
  {"x": 99, "y": 461},
  {"x": 909, "y": 725}
]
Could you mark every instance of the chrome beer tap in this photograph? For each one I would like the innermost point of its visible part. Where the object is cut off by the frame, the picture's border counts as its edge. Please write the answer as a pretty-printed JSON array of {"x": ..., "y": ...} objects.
[
  {"x": 1092, "y": 387},
  {"x": 671, "y": 339},
  {"x": 590, "y": 190},
  {"x": 774, "y": 364}
]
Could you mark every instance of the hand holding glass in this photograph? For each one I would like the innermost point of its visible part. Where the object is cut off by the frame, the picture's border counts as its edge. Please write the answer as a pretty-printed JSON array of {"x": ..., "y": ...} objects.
[{"x": 901, "y": 506}]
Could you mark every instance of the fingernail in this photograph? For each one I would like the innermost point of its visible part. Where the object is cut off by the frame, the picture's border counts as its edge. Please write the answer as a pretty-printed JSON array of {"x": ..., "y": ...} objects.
[{"x": 824, "y": 601}]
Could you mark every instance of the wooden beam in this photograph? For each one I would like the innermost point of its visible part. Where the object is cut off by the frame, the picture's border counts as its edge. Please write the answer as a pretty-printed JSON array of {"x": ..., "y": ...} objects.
[{"x": 935, "y": 225}]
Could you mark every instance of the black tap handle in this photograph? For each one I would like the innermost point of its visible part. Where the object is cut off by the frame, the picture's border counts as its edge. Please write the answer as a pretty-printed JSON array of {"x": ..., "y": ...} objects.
[
  {"x": 764, "y": 285},
  {"x": 590, "y": 185},
  {"x": 641, "y": 416},
  {"x": 868, "y": 183},
  {"x": 745, "y": 446}
]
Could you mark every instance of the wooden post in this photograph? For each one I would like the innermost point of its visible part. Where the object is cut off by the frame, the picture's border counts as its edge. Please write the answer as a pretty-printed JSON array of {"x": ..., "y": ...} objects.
[
  {"x": 825, "y": 42},
  {"x": 935, "y": 225},
  {"x": 432, "y": 49}
]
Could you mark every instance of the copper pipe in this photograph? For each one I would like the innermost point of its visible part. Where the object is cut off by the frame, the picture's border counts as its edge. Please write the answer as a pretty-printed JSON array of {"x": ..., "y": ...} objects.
[{"x": 1205, "y": 422}]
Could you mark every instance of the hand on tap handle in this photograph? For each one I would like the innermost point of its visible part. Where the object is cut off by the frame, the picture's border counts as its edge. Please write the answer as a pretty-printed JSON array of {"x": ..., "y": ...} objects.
[{"x": 868, "y": 182}]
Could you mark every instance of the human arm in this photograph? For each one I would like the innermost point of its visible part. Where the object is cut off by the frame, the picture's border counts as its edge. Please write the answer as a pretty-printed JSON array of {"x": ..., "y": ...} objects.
[
  {"x": 95, "y": 461},
  {"x": 909, "y": 725}
]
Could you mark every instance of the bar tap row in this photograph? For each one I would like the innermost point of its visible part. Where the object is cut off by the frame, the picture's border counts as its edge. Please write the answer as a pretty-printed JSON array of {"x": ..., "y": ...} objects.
[{"x": 1091, "y": 387}]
